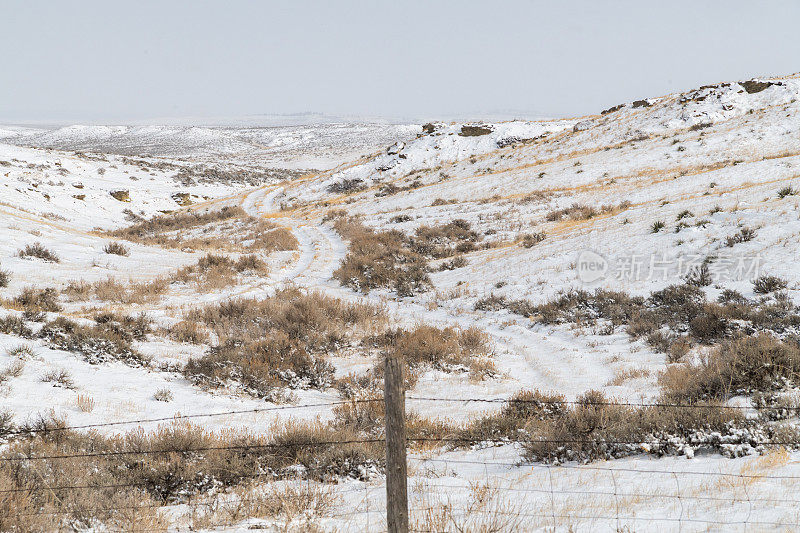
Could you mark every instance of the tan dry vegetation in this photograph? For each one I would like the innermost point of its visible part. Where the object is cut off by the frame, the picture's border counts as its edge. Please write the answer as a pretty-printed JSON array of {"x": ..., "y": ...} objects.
[
  {"x": 111, "y": 483},
  {"x": 211, "y": 272},
  {"x": 394, "y": 260},
  {"x": 280, "y": 341},
  {"x": 229, "y": 229},
  {"x": 298, "y": 505}
]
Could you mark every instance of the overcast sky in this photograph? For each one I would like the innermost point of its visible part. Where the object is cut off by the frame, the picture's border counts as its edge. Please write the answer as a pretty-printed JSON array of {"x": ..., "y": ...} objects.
[{"x": 142, "y": 60}]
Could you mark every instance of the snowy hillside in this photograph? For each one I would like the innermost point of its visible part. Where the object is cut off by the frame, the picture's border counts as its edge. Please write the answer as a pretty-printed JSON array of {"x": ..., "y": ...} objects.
[
  {"x": 314, "y": 146},
  {"x": 646, "y": 253}
]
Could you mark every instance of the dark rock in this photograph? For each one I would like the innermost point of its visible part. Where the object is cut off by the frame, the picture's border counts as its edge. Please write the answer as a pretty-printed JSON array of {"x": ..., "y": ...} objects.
[
  {"x": 428, "y": 128},
  {"x": 612, "y": 109},
  {"x": 756, "y": 86},
  {"x": 474, "y": 131},
  {"x": 641, "y": 103}
]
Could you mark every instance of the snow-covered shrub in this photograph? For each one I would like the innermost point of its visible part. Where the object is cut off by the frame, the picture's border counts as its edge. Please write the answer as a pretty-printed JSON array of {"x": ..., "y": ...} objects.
[
  {"x": 529, "y": 240},
  {"x": 767, "y": 284},
  {"x": 597, "y": 428},
  {"x": 229, "y": 228},
  {"x": 105, "y": 341}
]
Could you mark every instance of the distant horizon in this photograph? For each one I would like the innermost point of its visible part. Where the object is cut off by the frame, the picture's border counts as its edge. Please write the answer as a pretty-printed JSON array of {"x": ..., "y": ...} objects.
[{"x": 281, "y": 119}]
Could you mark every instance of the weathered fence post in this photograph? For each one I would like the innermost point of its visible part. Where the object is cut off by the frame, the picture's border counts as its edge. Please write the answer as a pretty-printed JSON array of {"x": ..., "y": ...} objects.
[{"x": 396, "y": 481}]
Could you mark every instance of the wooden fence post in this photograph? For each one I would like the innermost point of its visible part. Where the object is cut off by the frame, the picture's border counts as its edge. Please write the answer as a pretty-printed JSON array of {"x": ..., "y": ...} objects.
[{"x": 396, "y": 481}]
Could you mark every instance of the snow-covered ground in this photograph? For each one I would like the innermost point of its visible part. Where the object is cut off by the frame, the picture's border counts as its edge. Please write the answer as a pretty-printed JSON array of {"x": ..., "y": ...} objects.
[{"x": 720, "y": 153}]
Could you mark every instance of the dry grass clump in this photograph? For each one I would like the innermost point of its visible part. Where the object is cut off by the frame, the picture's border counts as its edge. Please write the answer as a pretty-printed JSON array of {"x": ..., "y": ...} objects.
[
  {"x": 393, "y": 260},
  {"x": 59, "y": 378},
  {"x": 760, "y": 363},
  {"x": 277, "y": 342},
  {"x": 13, "y": 325},
  {"x": 380, "y": 259},
  {"x": 188, "y": 331},
  {"x": 767, "y": 284},
  {"x": 296, "y": 503},
  {"x": 484, "y": 511},
  {"x": 228, "y": 229},
  {"x": 218, "y": 271},
  {"x": 5, "y": 278},
  {"x": 85, "y": 403},
  {"x": 178, "y": 460},
  {"x": 112, "y": 290},
  {"x": 35, "y": 300},
  {"x": 163, "y": 395},
  {"x": 211, "y": 272},
  {"x": 116, "y": 248},
  {"x": 38, "y": 251},
  {"x": 598, "y": 428}
]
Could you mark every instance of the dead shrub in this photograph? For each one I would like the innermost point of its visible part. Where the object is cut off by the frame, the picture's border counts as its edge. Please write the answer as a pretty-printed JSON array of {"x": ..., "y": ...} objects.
[
  {"x": 12, "y": 325},
  {"x": 442, "y": 349},
  {"x": 116, "y": 248},
  {"x": 396, "y": 261},
  {"x": 41, "y": 300},
  {"x": 745, "y": 365},
  {"x": 277, "y": 342},
  {"x": 188, "y": 331},
  {"x": 598, "y": 428},
  {"x": 38, "y": 251},
  {"x": 5, "y": 278},
  {"x": 767, "y": 284}
]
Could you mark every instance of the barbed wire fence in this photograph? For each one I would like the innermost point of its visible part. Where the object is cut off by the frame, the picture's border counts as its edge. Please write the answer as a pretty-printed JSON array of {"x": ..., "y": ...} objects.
[{"x": 450, "y": 493}]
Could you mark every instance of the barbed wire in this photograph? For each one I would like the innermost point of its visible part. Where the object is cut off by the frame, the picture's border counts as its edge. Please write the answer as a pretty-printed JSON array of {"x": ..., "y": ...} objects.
[
  {"x": 588, "y": 403},
  {"x": 510, "y": 401},
  {"x": 198, "y": 415}
]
